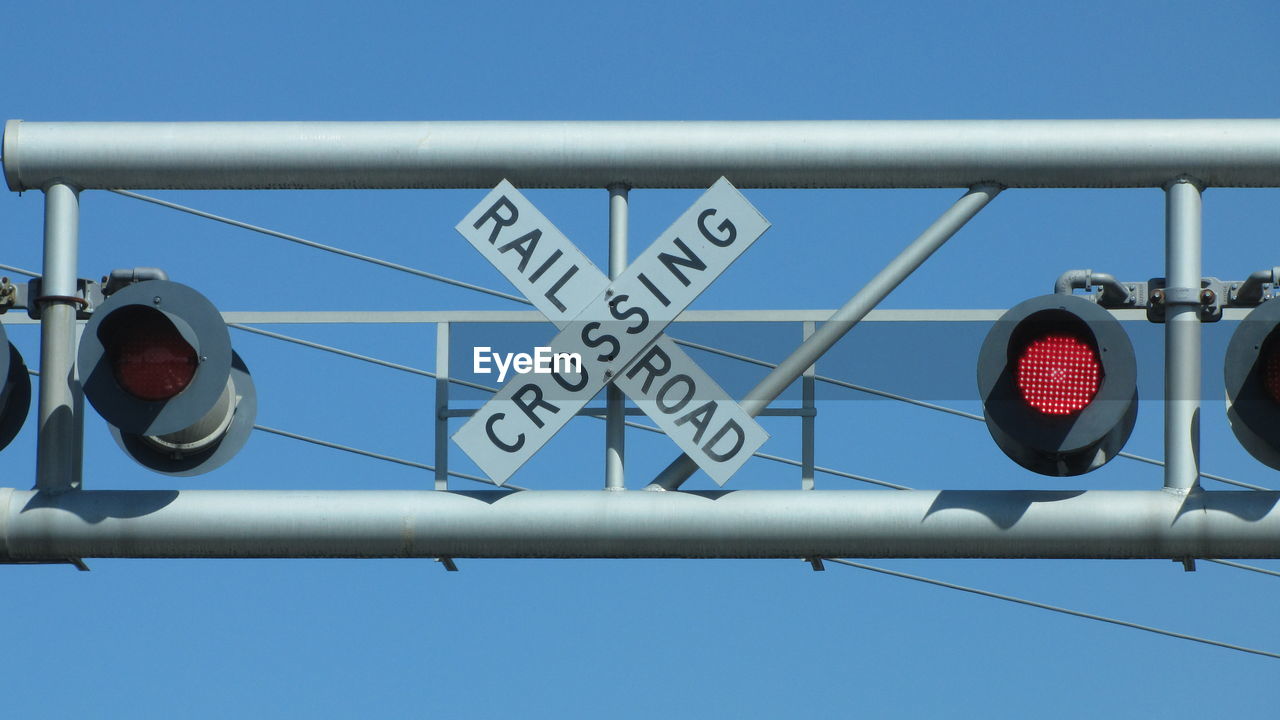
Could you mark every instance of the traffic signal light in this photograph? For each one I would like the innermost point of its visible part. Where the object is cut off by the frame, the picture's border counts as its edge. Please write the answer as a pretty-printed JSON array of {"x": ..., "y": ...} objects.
[
  {"x": 1058, "y": 381},
  {"x": 1252, "y": 376},
  {"x": 156, "y": 362},
  {"x": 15, "y": 393}
]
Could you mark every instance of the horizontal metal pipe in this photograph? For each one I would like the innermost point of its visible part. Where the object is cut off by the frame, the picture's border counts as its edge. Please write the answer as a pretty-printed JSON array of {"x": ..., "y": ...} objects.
[
  {"x": 586, "y": 523},
  {"x": 879, "y": 154}
]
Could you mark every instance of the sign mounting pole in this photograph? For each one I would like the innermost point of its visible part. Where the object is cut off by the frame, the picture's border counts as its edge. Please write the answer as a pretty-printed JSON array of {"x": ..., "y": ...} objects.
[{"x": 615, "y": 402}]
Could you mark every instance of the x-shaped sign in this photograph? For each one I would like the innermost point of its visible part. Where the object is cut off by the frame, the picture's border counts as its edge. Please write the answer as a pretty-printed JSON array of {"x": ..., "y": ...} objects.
[{"x": 616, "y": 328}]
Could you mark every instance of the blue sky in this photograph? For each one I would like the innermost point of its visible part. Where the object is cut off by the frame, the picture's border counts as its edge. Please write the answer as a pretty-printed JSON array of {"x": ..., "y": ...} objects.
[{"x": 346, "y": 638}]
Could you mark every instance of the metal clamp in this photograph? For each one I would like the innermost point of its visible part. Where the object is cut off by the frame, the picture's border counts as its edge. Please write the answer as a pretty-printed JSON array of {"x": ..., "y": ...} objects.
[
  {"x": 88, "y": 296},
  {"x": 1209, "y": 298},
  {"x": 1153, "y": 295}
]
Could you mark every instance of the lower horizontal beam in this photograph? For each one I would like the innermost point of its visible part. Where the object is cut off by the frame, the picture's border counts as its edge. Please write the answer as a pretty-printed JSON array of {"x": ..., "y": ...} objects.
[{"x": 598, "y": 524}]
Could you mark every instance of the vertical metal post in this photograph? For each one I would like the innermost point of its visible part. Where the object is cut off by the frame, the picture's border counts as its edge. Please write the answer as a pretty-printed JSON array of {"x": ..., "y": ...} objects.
[
  {"x": 615, "y": 402},
  {"x": 442, "y": 406},
  {"x": 808, "y": 393},
  {"x": 1182, "y": 335},
  {"x": 57, "y": 445}
]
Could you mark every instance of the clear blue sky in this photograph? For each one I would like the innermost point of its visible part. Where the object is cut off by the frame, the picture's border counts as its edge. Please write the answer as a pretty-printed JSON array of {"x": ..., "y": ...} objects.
[{"x": 345, "y": 638}]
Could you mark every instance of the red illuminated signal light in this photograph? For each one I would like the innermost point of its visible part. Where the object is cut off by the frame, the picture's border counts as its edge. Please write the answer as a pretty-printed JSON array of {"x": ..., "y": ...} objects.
[
  {"x": 1058, "y": 380},
  {"x": 149, "y": 357},
  {"x": 1271, "y": 371},
  {"x": 1058, "y": 374},
  {"x": 1251, "y": 376}
]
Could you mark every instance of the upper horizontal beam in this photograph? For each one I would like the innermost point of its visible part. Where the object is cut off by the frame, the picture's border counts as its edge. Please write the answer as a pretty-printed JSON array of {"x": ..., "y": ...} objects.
[
  {"x": 362, "y": 317},
  {"x": 834, "y": 154}
]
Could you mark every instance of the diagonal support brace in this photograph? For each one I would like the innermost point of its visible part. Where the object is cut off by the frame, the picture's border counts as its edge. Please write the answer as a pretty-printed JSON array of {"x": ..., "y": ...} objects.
[{"x": 843, "y": 320}]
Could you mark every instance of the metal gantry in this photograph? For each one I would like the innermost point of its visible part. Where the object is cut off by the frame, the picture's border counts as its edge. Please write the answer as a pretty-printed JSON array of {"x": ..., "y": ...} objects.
[{"x": 59, "y": 520}]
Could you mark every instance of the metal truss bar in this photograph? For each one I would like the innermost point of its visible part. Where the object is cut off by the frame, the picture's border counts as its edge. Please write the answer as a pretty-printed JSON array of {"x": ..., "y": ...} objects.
[
  {"x": 844, "y": 319},
  {"x": 377, "y": 456},
  {"x": 592, "y": 523},
  {"x": 1054, "y": 608},
  {"x": 410, "y": 317},
  {"x": 837, "y": 154},
  {"x": 326, "y": 248}
]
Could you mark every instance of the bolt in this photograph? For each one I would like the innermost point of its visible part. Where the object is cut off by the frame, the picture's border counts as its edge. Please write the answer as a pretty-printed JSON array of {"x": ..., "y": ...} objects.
[
  {"x": 156, "y": 300},
  {"x": 608, "y": 373},
  {"x": 1207, "y": 297},
  {"x": 1157, "y": 296}
]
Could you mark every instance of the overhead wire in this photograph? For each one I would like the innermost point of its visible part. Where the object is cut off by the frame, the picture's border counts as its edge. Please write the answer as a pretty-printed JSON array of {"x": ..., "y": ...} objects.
[
  {"x": 380, "y": 456},
  {"x": 1054, "y": 608},
  {"x": 326, "y": 248},
  {"x": 1242, "y": 566}
]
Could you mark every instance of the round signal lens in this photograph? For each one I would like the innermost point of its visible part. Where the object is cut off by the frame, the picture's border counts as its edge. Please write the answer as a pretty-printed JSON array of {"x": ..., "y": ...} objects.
[
  {"x": 1271, "y": 371},
  {"x": 1059, "y": 374},
  {"x": 149, "y": 357}
]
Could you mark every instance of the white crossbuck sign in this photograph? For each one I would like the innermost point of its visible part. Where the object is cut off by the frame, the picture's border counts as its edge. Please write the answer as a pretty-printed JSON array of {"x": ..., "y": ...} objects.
[{"x": 616, "y": 328}]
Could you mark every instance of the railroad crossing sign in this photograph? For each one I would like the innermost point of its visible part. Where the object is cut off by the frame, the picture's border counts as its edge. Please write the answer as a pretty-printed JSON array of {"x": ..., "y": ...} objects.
[{"x": 615, "y": 328}]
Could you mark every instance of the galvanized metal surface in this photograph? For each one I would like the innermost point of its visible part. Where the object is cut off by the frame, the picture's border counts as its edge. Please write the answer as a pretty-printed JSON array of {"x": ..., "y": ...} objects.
[
  {"x": 615, "y": 428},
  {"x": 60, "y": 405},
  {"x": 595, "y": 523},
  {"x": 441, "y": 420},
  {"x": 1183, "y": 221},
  {"x": 925, "y": 153},
  {"x": 1104, "y": 153},
  {"x": 381, "y": 317}
]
